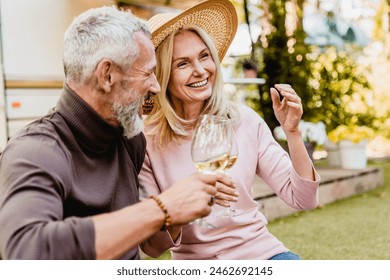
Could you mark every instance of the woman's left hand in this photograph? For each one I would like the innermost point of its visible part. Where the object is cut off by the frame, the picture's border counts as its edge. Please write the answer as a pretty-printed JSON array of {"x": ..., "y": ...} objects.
[
  {"x": 288, "y": 111},
  {"x": 226, "y": 190}
]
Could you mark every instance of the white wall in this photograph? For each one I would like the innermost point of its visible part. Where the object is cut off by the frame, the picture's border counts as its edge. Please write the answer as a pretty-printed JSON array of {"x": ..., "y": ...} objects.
[
  {"x": 32, "y": 34},
  {"x": 31, "y": 37}
]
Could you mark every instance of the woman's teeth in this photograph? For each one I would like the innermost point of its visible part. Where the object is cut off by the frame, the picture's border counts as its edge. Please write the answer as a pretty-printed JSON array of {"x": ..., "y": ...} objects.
[{"x": 199, "y": 84}]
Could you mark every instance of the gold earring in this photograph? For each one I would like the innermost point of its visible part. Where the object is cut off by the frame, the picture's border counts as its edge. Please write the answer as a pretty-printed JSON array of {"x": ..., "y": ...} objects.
[{"x": 148, "y": 105}]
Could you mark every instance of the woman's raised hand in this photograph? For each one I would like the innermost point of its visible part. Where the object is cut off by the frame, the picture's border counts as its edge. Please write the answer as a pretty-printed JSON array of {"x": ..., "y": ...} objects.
[{"x": 288, "y": 111}]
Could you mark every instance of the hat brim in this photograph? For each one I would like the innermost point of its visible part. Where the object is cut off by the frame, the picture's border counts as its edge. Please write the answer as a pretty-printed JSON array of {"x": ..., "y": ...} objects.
[{"x": 217, "y": 17}]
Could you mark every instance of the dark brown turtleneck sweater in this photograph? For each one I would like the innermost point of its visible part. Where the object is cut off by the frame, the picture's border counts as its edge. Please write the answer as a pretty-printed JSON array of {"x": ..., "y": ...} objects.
[{"x": 56, "y": 173}]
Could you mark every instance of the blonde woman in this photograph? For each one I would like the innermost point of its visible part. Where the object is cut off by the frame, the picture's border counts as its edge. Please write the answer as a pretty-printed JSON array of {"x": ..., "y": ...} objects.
[{"x": 189, "y": 47}]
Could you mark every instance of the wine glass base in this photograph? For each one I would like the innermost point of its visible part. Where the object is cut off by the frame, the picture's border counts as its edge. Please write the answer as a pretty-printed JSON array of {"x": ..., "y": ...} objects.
[
  {"x": 203, "y": 223},
  {"x": 227, "y": 213}
]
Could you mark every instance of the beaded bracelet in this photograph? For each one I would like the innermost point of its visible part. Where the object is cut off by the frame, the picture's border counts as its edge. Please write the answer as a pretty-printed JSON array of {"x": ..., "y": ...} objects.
[{"x": 167, "y": 221}]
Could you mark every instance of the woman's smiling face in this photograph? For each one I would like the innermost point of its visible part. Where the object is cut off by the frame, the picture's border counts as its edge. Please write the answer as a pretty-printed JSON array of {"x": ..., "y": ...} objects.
[{"x": 193, "y": 70}]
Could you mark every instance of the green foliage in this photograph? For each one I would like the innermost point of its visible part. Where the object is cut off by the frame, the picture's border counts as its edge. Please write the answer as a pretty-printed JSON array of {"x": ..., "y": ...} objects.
[
  {"x": 334, "y": 88},
  {"x": 379, "y": 77},
  {"x": 283, "y": 57},
  {"x": 336, "y": 83},
  {"x": 378, "y": 31}
]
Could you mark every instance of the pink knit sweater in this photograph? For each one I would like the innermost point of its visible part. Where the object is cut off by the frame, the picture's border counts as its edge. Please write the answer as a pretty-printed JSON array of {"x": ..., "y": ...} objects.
[{"x": 242, "y": 237}]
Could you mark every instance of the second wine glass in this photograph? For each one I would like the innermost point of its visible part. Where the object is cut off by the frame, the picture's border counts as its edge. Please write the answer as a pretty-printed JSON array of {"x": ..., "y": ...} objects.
[
  {"x": 232, "y": 158},
  {"x": 210, "y": 148}
]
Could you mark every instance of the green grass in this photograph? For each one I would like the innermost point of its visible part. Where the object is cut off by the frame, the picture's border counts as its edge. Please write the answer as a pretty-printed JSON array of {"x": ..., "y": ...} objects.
[
  {"x": 354, "y": 228},
  {"x": 350, "y": 229}
]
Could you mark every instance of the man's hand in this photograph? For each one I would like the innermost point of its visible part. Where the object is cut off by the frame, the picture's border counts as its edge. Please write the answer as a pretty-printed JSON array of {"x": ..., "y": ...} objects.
[{"x": 191, "y": 197}]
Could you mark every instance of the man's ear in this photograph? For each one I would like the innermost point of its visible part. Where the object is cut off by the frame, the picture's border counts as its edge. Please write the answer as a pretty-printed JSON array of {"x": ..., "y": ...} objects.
[{"x": 105, "y": 73}]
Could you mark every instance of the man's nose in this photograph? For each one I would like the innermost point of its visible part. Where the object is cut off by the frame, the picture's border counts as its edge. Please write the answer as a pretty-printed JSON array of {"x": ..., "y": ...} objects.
[{"x": 155, "y": 86}]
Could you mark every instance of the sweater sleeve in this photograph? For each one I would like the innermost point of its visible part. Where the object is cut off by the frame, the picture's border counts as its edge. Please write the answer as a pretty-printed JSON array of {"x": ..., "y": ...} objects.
[
  {"x": 275, "y": 168},
  {"x": 136, "y": 150},
  {"x": 162, "y": 240},
  {"x": 35, "y": 178}
]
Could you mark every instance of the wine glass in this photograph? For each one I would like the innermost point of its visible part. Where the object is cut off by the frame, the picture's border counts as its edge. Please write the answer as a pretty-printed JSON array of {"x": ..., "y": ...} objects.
[
  {"x": 233, "y": 155},
  {"x": 210, "y": 148}
]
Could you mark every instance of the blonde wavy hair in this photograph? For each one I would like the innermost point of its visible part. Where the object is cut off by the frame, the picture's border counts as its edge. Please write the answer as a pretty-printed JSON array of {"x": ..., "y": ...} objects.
[{"x": 163, "y": 123}]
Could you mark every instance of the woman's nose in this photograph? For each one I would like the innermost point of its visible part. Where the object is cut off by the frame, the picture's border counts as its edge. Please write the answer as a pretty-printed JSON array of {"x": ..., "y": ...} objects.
[{"x": 199, "y": 69}]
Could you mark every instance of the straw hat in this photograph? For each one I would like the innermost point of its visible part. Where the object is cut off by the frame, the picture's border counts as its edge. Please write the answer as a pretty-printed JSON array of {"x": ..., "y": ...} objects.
[{"x": 217, "y": 17}]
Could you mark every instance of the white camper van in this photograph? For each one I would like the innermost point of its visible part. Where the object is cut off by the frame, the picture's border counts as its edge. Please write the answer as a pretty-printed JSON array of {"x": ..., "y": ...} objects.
[{"x": 31, "y": 72}]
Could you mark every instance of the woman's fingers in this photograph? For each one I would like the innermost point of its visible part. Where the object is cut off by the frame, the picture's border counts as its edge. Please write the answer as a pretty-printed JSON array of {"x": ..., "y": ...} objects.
[
  {"x": 226, "y": 180},
  {"x": 294, "y": 105},
  {"x": 288, "y": 92},
  {"x": 225, "y": 192},
  {"x": 222, "y": 203},
  {"x": 283, "y": 86},
  {"x": 275, "y": 97}
]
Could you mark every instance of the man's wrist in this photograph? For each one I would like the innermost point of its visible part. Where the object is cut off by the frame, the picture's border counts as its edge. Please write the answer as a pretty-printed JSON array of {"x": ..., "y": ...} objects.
[{"x": 167, "y": 219}]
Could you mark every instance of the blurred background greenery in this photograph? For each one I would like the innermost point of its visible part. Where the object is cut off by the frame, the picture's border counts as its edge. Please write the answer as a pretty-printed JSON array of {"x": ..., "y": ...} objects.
[{"x": 336, "y": 55}]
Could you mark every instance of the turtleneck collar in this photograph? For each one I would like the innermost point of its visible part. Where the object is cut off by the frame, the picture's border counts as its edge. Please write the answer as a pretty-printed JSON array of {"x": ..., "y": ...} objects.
[{"x": 90, "y": 130}]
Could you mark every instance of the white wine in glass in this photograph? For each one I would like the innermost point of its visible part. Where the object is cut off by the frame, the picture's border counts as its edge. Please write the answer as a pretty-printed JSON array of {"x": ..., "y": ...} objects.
[
  {"x": 210, "y": 148},
  {"x": 232, "y": 158},
  {"x": 214, "y": 164}
]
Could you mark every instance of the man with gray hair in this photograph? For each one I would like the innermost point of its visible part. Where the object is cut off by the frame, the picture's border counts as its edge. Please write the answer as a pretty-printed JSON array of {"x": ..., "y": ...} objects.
[{"x": 69, "y": 181}]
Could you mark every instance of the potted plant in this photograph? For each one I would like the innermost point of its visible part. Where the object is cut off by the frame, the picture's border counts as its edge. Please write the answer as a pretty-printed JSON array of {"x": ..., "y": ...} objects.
[
  {"x": 333, "y": 153},
  {"x": 312, "y": 134},
  {"x": 351, "y": 142}
]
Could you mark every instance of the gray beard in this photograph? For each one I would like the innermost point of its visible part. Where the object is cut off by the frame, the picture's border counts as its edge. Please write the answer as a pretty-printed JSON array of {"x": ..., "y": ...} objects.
[{"x": 128, "y": 117}]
